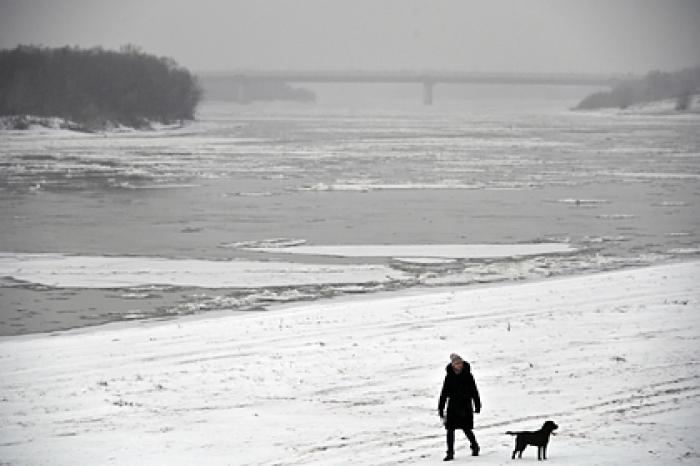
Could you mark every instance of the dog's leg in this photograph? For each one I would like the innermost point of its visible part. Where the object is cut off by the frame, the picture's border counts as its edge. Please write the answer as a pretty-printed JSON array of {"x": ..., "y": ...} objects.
[
  {"x": 519, "y": 447},
  {"x": 544, "y": 452},
  {"x": 539, "y": 453}
]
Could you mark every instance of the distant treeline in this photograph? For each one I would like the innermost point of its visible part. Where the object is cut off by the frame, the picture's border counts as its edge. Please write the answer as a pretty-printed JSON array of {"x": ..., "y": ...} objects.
[
  {"x": 656, "y": 85},
  {"x": 96, "y": 87}
]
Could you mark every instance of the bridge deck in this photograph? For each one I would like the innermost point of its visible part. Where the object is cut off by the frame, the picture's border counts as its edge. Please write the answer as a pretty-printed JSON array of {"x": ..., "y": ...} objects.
[{"x": 418, "y": 77}]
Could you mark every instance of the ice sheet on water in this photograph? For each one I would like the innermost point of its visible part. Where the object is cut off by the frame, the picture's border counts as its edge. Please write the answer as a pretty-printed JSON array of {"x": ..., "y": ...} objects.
[
  {"x": 583, "y": 201},
  {"x": 59, "y": 270},
  {"x": 695, "y": 250},
  {"x": 265, "y": 243},
  {"x": 127, "y": 185},
  {"x": 533, "y": 268},
  {"x": 450, "y": 251},
  {"x": 425, "y": 260},
  {"x": 137, "y": 295},
  {"x": 251, "y": 194},
  {"x": 655, "y": 175},
  {"x": 605, "y": 239},
  {"x": 387, "y": 186},
  {"x": 616, "y": 216},
  {"x": 249, "y": 300},
  {"x": 672, "y": 204}
]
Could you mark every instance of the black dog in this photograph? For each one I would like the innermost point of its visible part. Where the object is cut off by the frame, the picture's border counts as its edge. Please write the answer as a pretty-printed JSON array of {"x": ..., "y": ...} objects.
[{"x": 538, "y": 438}]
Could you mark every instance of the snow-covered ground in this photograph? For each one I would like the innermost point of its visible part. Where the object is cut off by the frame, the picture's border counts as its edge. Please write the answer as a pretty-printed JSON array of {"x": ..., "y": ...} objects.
[{"x": 611, "y": 357}]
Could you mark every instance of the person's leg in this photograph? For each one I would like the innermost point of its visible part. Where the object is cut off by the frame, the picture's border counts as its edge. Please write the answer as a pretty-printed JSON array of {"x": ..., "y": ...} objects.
[
  {"x": 450, "y": 444},
  {"x": 472, "y": 441}
]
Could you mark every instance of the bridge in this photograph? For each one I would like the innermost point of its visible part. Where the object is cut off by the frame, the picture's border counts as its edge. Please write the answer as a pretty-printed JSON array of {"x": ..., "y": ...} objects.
[{"x": 241, "y": 79}]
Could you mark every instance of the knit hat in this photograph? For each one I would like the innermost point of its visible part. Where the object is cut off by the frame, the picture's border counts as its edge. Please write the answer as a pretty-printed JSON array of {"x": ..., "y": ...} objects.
[{"x": 454, "y": 357}]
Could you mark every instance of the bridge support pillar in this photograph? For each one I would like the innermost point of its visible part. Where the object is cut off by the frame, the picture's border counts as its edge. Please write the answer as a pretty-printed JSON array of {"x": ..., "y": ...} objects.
[
  {"x": 242, "y": 94},
  {"x": 428, "y": 86}
]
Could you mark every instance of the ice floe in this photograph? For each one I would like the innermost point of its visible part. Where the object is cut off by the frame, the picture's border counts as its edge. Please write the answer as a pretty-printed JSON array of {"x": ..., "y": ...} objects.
[
  {"x": 616, "y": 216},
  {"x": 425, "y": 260},
  {"x": 265, "y": 243},
  {"x": 583, "y": 201},
  {"x": 59, "y": 270},
  {"x": 451, "y": 251},
  {"x": 605, "y": 239},
  {"x": 660, "y": 176},
  {"x": 388, "y": 186},
  {"x": 685, "y": 250},
  {"x": 672, "y": 204}
]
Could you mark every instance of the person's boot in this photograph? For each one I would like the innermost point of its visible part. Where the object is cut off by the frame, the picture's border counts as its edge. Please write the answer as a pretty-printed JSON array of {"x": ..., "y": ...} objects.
[
  {"x": 475, "y": 450},
  {"x": 449, "y": 457}
]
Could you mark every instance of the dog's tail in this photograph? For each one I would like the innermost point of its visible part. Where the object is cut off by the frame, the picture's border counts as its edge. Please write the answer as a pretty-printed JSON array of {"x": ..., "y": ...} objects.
[{"x": 510, "y": 432}]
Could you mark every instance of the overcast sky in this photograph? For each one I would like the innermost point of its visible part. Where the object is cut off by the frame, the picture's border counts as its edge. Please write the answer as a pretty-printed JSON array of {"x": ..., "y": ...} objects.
[{"x": 487, "y": 35}]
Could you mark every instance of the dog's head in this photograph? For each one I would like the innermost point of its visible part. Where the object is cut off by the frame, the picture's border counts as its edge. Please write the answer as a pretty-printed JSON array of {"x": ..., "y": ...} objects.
[{"x": 549, "y": 426}]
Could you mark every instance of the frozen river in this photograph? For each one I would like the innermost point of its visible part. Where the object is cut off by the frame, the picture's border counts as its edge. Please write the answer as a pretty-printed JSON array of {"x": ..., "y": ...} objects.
[{"x": 256, "y": 205}]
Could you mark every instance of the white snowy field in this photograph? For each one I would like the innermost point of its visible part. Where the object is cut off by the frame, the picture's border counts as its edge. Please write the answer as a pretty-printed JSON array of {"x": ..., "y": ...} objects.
[{"x": 611, "y": 357}]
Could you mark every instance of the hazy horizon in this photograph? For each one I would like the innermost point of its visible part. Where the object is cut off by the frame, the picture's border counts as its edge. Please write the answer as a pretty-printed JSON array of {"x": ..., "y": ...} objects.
[{"x": 621, "y": 36}]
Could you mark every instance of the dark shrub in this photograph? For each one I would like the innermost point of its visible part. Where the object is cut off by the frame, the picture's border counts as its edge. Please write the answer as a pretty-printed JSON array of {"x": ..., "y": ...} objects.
[{"x": 656, "y": 85}]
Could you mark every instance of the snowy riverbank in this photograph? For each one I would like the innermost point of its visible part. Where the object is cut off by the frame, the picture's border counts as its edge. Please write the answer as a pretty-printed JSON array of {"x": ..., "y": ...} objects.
[{"x": 611, "y": 357}]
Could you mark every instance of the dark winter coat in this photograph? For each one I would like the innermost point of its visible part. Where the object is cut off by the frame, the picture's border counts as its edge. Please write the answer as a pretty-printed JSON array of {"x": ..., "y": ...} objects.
[{"x": 459, "y": 391}]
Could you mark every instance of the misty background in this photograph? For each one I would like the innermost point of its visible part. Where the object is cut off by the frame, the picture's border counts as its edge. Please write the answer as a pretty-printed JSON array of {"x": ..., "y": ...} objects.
[{"x": 567, "y": 36}]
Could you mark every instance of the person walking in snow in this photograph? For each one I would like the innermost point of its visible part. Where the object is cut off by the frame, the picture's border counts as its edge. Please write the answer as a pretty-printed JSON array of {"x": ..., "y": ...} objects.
[{"x": 462, "y": 397}]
